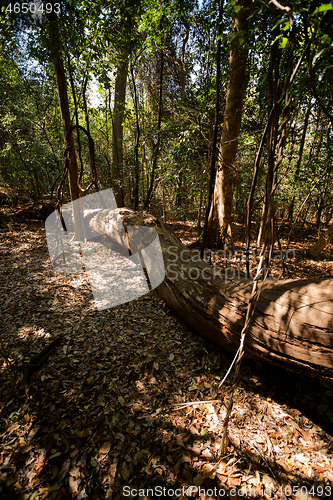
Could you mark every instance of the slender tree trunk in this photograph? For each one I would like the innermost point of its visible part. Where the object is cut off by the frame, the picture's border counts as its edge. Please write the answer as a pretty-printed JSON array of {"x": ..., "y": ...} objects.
[
  {"x": 179, "y": 195},
  {"x": 64, "y": 108},
  {"x": 86, "y": 115},
  {"x": 220, "y": 218},
  {"x": 71, "y": 80},
  {"x": 75, "y": 191},
  {"x": 182, "y": 71},
  {"x": 299, "y": 158},
  {"x": 274, "y": 93},
  {"x": 38, "y": 195},
  {"x": 136, "y": 145},
  {"x": 117, "y": 129},
  {"x": 164, "y": 210},
  {"x": 85, "y": 106},
  {"x": 216, "y": 126},
  {"x": 320, "y": 207},
  {"x": 200, "y": 195},
  {"x": 249, "y": 206},
  {"x": 156, "y": 150}
]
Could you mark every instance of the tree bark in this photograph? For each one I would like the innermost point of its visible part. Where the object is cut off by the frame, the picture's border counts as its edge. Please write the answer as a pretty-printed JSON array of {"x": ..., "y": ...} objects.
[
  {"x": 136, "y": 145},
  {"x": 274, "y": 95},
  {"x": 299, "y": 158},
  {"x": 70, "y": 153},
  {"x": 293, "y": 322},
  {"x": 216, "y": 127},
  {"x": 220, "y": 218},
  {"x": 156, "y": 147},
  {"x": 117, "y": 129}
]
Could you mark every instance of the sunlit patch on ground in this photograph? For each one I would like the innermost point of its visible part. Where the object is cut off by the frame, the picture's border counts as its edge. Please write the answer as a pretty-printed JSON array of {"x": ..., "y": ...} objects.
[{"x": 27, "y": 331}]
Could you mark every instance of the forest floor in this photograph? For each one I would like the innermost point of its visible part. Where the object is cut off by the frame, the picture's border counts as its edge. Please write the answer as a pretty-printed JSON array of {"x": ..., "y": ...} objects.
[{"x": 98, "y": 419}]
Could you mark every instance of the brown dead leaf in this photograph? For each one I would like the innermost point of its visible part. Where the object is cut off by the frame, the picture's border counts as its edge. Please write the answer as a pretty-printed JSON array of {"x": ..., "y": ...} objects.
[
  {"x": 307, "y": 435},
  {"x": 39, "y": 463},
  {"x": 195, "y": 450},
  {"x": 54, "y": 471},
  {"x": 75, "y": 472},
  {"x": 73, "y": 484},
  {"x": 83, "y": 433},
  {"x": 105, "y": 448},
  {"x": 64, "y": 469},
  {"x": 31, "y": 474},
  {"x": 198, "y": 480},
  {"x": 208, "y": 470},
  {"x": 234, "y": 481},
  {"x": 294, "y": 412},
  {"x": 74, "y": 452},
  {"x": 33, "y": 432},
  {"x": 113, "y": 470},
  {"x": 125, "y": 473},
  {"x": 268, "y": 482},
  {"x": 121, "y": 400}
]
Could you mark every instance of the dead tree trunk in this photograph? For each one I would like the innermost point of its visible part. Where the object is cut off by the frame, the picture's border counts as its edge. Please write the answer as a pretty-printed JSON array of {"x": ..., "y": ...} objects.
[{"x": 293, "y": 322}]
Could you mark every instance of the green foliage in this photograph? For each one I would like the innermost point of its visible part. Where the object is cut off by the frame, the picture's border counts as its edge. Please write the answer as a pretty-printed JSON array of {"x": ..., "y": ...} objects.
[
  {"x": 97, "y": 36},
  {"x": 30, "y": 138}
]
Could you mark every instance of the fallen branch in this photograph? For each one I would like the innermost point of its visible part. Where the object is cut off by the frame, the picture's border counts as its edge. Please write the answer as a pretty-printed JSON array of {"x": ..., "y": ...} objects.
[{"x": 39, "y": 359}]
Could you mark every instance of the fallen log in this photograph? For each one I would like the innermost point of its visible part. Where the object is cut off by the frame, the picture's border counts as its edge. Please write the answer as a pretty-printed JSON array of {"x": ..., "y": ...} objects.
[{"x": 293, "y": 322}]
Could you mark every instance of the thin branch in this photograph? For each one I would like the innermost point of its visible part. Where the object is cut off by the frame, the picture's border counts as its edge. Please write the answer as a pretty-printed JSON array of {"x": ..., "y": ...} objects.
[{"x": 279, "y": 6}]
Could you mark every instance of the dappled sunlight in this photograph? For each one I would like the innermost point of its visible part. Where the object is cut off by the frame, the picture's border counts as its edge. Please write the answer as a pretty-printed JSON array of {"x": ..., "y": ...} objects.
[
  {"x": 110, "y": 387},
  {"x": 102, "y": 405},
  {"x": 266, "y": 432},
  {"x": 28, "y": 332}
]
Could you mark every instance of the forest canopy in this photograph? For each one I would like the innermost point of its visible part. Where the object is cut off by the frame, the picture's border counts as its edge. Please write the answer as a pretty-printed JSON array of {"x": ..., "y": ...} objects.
[{"x": 148, "y": 81}]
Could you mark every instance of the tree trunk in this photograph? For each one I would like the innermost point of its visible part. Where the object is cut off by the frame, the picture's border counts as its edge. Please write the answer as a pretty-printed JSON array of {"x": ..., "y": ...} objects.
[
  {"x": 117, "y": 128},
  {"x": 136, "y": 145},
  {"x": 156, "y": 147},
  {"x": 321, "y": 243},
  {"x": 274, "y": 94},
  {"x": 179, "y": 190},
  {"x": 200, "y": 195},
  {"x": 75, "y": 191},
  {"x": 207, "y": 232},
  {"x": 76, "y": 114},
  {"x": 293, "y": 322},
  {"x": 220, "y": 218},
  {"x": 299, "y": 158}
]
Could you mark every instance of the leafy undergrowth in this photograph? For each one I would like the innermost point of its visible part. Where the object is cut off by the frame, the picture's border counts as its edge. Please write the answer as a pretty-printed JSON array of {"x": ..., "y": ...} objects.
[
  {"x": 289, "y": 260},
  {"x": 99, "y": 419}
]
